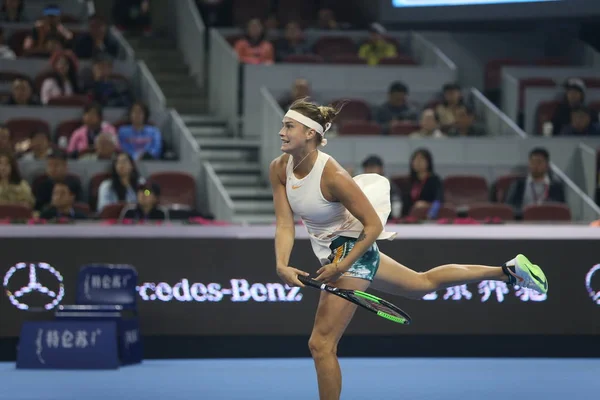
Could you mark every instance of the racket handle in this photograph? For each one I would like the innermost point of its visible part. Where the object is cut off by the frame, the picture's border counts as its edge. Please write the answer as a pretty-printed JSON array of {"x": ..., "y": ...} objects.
[{"x": 309, "y": 281}]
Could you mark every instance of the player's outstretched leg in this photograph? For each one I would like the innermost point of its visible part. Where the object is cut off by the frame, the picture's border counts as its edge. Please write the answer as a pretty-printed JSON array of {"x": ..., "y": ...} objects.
[{"x": 395, "y": 278}]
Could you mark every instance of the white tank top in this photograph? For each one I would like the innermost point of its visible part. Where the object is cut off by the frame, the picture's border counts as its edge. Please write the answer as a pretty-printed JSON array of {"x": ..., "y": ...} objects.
[{"x": 325, "y": 220}]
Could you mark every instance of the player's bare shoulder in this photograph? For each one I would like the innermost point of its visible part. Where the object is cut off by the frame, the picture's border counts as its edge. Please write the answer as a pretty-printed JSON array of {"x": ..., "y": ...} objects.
[
  {"x": 278, "y": 166},
  {"x": 334, "y": 170}
]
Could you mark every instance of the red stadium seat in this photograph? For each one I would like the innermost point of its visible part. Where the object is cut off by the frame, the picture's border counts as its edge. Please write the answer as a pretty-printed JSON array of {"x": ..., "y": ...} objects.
[
  {"x": 9, "y": 76},
  {"x": 15, "y": 211},
  {"x": 346, "y": 59},
  {"x": 40, "y": 178},
  {"x": 481, "y": 211},
  {"x": 66, "y": 128},
  {"x": 112, "y": 211},
  {"x": 591, "y": 83},
  {"x": 398, "y": 60},
  {"x": 502, "y": 184},
  {"x": 21, "y": 128},
  {"x": 445, "y": 211},
  {"x": 82, "y": 208},
  {"x": 69, "y": 101},
  {"x": 304, "y": 59},
  {"x": 94, "y": 185},
  {"x": 403, "y": 127},
  {"x": 547, "y": 212},
  {"x": 465, "y": 189},
  {"x": 17, "y": 40},
  {"x": 545, "y": 112},
  {"x": 360, "y": 127},
  {"x": 328, "y": 46},
  {"x": 353, "y": 110},
  {"x": 175, "y": 188}
]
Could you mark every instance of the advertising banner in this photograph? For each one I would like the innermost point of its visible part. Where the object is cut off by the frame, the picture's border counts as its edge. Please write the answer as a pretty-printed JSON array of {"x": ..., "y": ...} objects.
[{"x": 206, "y": 286}]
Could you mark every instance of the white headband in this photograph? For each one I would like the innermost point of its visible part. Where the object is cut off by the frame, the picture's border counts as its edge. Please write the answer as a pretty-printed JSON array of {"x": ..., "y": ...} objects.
[{"x": 304, "y": 120}]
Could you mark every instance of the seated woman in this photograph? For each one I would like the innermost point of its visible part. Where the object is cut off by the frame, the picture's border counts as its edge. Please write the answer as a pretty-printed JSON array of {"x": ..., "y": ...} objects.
[
  {"x": 85, "y": 136},
  {"x": 13, "y": 189},
  {"x": 426, "y": 188},
  {"x": 121, "y": 186},
  {"x": 139, "y": 139},
  {"x": 253, "y": 48},
  {"x": 64, "y": 80},
  {"x": 147, "y": 207}
]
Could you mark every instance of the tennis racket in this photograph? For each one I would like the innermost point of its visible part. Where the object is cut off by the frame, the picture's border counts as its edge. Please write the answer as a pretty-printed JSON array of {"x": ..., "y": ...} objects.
[{"x": 376, "y": 305}]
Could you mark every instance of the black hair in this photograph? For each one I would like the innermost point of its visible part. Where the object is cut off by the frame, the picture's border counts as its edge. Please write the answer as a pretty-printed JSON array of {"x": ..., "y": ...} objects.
[
  {"x": 115, "y": 179},
  {"x": 425, "y": 153},
  {"x": 145, "y": 109},
  {"x": 372, "y": 161},
  {"x": 94, "y": 106},
  {"x": 71, "y": 75},
  {"x": 540, "y": 151},
  {"x": 398, "y": 87},
  {"x": 69, "y": 184},
  {"x": 15, "y": 174}
]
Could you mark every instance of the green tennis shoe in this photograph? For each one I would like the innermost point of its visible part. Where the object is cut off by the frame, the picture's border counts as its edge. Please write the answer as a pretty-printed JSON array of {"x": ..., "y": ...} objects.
[{"x": 524, "y": 273}]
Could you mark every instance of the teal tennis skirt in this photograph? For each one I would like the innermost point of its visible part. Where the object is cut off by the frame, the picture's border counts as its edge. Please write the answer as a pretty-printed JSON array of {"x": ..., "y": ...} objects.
[{"x": 365, "y": 267}]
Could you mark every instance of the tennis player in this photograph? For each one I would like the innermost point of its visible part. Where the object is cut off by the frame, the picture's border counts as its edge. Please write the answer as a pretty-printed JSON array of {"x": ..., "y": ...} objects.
[{"x": 344, "y": 217}]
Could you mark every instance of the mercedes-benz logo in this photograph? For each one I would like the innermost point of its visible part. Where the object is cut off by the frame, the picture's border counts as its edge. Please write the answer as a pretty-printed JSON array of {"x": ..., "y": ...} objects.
[
  {"x": 18, "y": 298},
  {"x": 594, "y": 294}
]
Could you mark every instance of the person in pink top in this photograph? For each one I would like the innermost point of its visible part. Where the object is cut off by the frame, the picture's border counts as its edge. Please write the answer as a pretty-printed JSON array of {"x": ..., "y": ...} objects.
[
  {"x": 253, "y": 48},
  {"x": 85, "y": 136}
]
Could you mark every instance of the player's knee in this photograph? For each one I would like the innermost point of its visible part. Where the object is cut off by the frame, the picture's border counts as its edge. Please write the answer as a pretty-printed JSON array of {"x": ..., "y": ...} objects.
[{"x": 320, "y": 346}]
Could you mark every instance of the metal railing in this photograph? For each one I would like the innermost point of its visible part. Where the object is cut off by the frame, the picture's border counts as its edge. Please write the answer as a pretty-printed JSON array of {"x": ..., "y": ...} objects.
[
  {"x": 589, "y": 168},
  {"x": 190, "y": 33},
  {"x": 219, "y": 202},
  {"x": 271, "y": 116},
  {"x": 149, "y": 89},
  {"x": 582, "y": 207},
  {"x": 496, "y": 122},
  {"x": 429, "y": 54},
  {"x": 224, "y": 87}
]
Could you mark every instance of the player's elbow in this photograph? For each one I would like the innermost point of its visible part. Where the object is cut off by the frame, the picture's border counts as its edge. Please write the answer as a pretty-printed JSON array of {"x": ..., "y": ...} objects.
[{"x": 375, "y": 227}]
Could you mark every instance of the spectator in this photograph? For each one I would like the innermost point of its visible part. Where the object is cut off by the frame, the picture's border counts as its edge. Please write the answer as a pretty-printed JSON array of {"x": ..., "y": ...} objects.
[
  {"x": 453, "y": 98},
  {"x": 39, "y": 146},
  {"x": 539, "y": 186},
  {"x": 253, "y": 48},
  {"x": 56, "y": 171},
  {"x": 574, "y": 98},
  {"x": 133, "y": 15},
  {"x": 292, "y": 43},
  {"x": 22, "y": 94},
  {"x": 430, "y": 126},
  {"x": 147, "y": 207},
  {"x": 396, "y": 108},
  {"x": 326, "y": 20},
  {"x": 121, "y": 186},
  {"x": 377, "y": 47},
  {"x": 13, "y": 11},
  {"x": 465, "y": 123},
  {"x": 581, "y": 123},
  {"x": 103, "y": 89},
  {"x": 49, "y": 25},
  {"x": 64, "y": 80},
  {"x": 13, "y": 189},
  {"x": 6, "y": 52},
  {"x": 300, "y": 90},
  {"x": 374, "y": 165},
  {"x": 63, "y": 200},
  {"x": 106, "y": 145},
  {"x": 6, "y": 144},
  {"x": 85, "y": 136},
  {"x": 97, "y": 40},
  {"x": 426, "y": 188},
  {"x": 140, "y": 139}
]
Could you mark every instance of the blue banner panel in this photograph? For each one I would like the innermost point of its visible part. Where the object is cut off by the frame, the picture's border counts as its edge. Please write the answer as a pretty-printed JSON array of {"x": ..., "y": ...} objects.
[{"x": 68, "y": 345}]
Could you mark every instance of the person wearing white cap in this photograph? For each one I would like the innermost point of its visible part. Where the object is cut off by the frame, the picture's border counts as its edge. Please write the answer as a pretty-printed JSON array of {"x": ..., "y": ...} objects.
[
  {"x": 574, "y": 99},
  {"x": 344, "y": 217}
]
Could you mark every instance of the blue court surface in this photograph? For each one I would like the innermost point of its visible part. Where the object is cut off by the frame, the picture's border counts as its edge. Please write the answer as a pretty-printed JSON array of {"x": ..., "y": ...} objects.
[{"x": 291, "y": 379}]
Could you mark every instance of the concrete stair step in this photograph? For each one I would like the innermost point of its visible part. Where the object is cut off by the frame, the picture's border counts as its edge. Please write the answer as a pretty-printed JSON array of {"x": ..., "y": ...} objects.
[
  {"x": 239, "y": 167},
  {"x": 234, "y": 180},
  {"x": 228, "y": 143},
  {"x": 229, "y": 155},
  {"x": 250, "y": 192},
  {"x": 196, "y": 120},
  {"x": 252, "y": 206},
  {"x": 208, "y": 131}
]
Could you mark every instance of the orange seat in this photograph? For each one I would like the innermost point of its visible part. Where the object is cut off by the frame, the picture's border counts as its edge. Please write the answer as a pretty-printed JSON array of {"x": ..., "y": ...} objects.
[
  {"x": 547, "y": 212},
  {"x": 359, "y": 128},
  {"x": 481, "y": 211},
  {"x": 175, "y": 188},
  {"x": 465, "y": 189}
]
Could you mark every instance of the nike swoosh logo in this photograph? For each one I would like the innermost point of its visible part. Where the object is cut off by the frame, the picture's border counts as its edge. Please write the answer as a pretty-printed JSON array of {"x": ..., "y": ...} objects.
[
  {"x": 537, "y": 278},
  {"x": 294, "y": 187}
]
